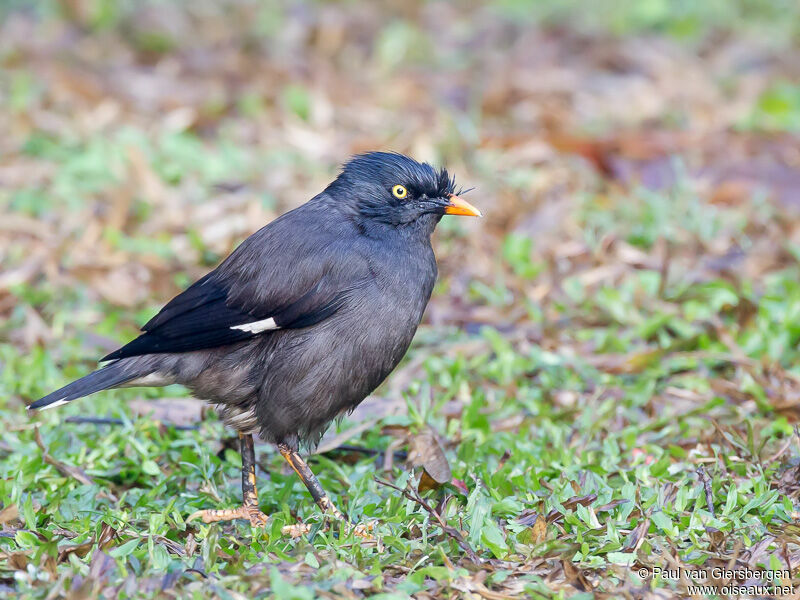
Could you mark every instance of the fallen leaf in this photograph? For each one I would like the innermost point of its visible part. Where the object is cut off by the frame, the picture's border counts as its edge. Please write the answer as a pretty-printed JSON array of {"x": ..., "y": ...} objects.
[
  {"x": 9, "y": 513},
  {"x": 571, "y": 503},
  {"x": 575, "y": 577},
  {"x": 539, "y": 530},
  {"x": 637, "y": 536},
  {"x": 424, "y": 450},
  {"x": 611, "y": 505},
  {"x": 18, "y": 561}
]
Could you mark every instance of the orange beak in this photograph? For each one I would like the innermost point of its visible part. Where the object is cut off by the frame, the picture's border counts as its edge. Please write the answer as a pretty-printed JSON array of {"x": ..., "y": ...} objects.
[{"x": 458, "y": 206}]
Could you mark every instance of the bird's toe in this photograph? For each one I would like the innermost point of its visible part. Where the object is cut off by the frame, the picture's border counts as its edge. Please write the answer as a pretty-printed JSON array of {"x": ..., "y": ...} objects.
[
  {"x": 249, "y": 513},
  {"x": 257, "y": 518},
  {"x": 364, "y": 530},
  {"x": 296, "y": 530},
  {"x": 361, "y": 530}
]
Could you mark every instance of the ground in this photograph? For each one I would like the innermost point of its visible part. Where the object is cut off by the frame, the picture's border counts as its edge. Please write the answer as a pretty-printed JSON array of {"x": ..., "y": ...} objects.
[{"x": 605, "y": 384}]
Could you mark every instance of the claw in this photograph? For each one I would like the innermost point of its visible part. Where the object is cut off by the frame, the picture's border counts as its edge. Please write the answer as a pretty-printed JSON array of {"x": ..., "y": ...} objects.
[
  {"x": 297, "y": 530},
  {"x": 249, "y": 513},
  {"x": 362, "y": 530}
]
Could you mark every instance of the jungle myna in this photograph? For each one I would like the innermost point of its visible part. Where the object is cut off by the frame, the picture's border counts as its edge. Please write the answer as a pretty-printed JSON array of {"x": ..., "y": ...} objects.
[{"x": 303, "y": 320}]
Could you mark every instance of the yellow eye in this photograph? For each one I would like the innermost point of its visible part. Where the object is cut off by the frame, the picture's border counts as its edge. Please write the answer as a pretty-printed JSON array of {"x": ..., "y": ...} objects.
[{"x": 399, "y": 192}]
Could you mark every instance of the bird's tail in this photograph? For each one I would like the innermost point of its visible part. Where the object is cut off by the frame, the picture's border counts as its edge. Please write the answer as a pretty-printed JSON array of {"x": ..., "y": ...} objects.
[{"x": 104, "y": 378}]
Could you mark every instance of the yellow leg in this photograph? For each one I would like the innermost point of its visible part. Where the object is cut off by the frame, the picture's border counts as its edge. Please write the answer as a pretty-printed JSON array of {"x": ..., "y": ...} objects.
[
  {"x": 318, "y": 494},
  {"x": 249, "y": 509}
]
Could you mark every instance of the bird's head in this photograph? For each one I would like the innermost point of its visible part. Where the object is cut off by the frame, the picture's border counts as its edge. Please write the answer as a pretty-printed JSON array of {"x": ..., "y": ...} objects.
[{"x": 395, "y": 190}]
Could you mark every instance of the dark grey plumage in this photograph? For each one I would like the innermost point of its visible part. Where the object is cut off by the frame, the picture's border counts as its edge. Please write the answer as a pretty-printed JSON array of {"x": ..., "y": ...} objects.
[{"x": 308, "y": 315}]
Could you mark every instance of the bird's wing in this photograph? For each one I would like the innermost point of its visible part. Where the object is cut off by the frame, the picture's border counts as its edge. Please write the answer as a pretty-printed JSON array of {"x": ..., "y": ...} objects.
[
  {"x": 204, "y": 317},
  {"x": 256, "y": 290}
]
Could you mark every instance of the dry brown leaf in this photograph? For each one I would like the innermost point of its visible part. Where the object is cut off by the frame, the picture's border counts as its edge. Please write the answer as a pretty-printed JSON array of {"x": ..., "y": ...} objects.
[
  {"x": 8, "y": 514},
  {"x": 539, "y": 530},
  {"x": 18, "y": 561},
  {"x": 426, "y": 482},
  {"x": 571, "y": 503},
  {"x": 424, "y": 450},
  {"x": 575, "y": 577},
  {"x": 637, "y": 536},
  {"x": 611, "y": 505}
]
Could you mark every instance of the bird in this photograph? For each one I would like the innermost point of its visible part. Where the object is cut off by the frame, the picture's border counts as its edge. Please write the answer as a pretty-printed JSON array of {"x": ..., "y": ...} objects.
[{"x": 302, "y": 321}]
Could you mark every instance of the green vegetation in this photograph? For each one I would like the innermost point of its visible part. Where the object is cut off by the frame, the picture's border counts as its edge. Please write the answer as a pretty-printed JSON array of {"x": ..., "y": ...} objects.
[{"x": 609, "y": 360}]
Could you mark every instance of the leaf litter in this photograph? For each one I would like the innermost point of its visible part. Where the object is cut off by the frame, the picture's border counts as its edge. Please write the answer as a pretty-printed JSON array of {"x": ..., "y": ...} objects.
[{"x": 609, "y": 356}]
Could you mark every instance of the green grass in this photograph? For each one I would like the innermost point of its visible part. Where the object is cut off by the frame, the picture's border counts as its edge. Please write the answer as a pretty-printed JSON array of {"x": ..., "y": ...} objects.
[
  {"x": 629, "y": 433},
  {"x": 616, "y": 388}
]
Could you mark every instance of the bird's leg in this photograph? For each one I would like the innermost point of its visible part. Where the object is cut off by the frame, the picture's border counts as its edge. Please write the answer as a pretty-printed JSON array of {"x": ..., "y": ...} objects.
[
  {"x": 249, "y": 509},
  {"x": 311, "y": 482},
  {"x": 318, "y": 494},
  {"x": 249, "y": 491}
]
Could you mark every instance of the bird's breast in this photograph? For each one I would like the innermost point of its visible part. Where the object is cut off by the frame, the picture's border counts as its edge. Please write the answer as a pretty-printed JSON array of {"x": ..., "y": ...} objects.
[{"x": 314, "y": 374}]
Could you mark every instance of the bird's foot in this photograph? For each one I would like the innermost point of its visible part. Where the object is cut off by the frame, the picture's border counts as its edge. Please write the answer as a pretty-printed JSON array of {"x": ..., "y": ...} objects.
[
  {"x": 248, "y": 512},
  {"x": 296, "y": 530},
  {"x": 362, "y": 530}
]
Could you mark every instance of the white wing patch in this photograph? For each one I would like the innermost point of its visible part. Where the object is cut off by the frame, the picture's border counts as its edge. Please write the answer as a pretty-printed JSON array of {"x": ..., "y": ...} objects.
[
  {"x": 258, "y": 326},
  {"x": 55, "y": 404}
]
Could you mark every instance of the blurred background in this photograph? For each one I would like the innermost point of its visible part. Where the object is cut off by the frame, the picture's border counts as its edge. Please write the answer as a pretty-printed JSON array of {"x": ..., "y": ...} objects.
[
  {"x": 638, "y": 165},
  {"x": 143, "y": 140}
]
